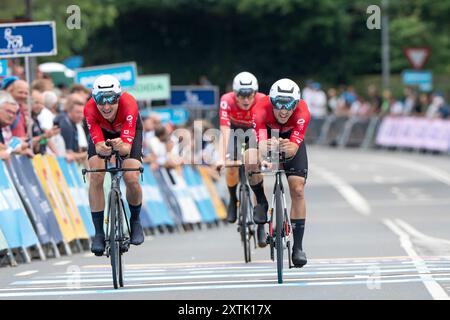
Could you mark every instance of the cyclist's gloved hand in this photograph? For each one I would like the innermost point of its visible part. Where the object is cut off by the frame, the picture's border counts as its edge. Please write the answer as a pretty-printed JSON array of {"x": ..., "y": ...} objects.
[{"x": 102, "y": 149}]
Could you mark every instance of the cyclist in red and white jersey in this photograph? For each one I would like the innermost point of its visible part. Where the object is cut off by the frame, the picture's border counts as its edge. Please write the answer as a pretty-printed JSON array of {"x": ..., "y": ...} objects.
[
  {"x": 236, "y": 126},
  {"x": 280, "y": 123},
  {"x": 112, "y": 116}
]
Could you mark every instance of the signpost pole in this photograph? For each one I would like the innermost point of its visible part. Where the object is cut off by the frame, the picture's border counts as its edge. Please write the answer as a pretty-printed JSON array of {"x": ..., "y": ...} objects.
[{"x": 28, "y": 80}]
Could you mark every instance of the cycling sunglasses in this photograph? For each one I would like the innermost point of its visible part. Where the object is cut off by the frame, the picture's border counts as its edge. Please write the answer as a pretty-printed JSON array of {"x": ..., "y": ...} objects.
[
  {"x": 245, "y": 93},
  {"x": 281, "y": 102},
  {"x": 103, "y": 98}
]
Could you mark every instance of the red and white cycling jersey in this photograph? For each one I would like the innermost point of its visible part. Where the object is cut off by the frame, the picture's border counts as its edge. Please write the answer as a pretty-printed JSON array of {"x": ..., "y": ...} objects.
[
  {"x": 231, "y": 114},
  {"x": 265, "y": 120},
  {"x": 124, "y": 122}
]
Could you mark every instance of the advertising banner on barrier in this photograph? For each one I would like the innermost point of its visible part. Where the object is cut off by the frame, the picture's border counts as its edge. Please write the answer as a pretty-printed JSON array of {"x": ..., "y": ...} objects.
[
  {"x": 169, "y": 197},
  {"x": 69, "y": 204},
  {"x": 157, "y": 208},
  {"x": 199, "y": 193},
  {"x": 78, "y": 194},
  {"x": 14, "y": 222},
  {"x": 34, "y": 200},
  {"x": 64, "y": 221},
  {"x": 218, "y": 204},
  {"x": 144, "y": 217},
  {"x": 180, "y": 189},
  {"x": 416, "y": 133},
  {"x": 3, "y": 243}
]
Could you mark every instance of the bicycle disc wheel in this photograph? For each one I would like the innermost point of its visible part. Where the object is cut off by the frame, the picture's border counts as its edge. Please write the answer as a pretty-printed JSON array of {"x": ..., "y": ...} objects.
[
  {"x": 113, "y": 244},
  {"x": 279, "y": 233}
]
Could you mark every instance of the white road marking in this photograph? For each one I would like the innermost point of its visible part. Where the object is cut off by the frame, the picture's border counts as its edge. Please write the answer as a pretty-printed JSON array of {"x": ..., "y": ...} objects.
[
  {"x": 272, "y": 284},
  {"x": 26, "y": 273},
  {"x": 437, "y": 174},
  {"x": 419, "y": 235},
  {"x": 353, "y": 197},
  {"x": 62, "y": 263},
  {"x": 436, "y": 291}
]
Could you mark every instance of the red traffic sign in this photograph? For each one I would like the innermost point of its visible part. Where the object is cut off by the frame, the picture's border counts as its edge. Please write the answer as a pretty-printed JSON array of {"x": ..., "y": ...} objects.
[{"x": 417, "y": 56}]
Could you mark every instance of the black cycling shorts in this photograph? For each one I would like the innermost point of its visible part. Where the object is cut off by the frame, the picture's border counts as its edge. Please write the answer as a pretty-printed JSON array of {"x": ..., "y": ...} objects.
[
  {"x": 298, "y": 163},
  {"x": 136, "y": 147},
  {"x": 237, "y": 137}
]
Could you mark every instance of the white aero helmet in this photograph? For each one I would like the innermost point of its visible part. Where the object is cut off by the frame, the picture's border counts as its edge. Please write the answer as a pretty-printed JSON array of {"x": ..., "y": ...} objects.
[
  {"x": 106, "y": 89},
  {"x": 244, "y": 84},
  {"x": 284, "y": 93}
]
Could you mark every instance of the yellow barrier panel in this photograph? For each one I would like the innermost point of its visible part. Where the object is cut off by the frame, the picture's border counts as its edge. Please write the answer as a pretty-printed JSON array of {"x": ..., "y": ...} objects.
[
  {"x": 53, "y": 197},
  {"x": 218, "y": 204},
  {"x": 67, "y": 200}
]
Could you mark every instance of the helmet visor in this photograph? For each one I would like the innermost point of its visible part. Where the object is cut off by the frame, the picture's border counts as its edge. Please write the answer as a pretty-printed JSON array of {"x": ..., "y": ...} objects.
[
  {"x": 245, "y": 93},
  {"x": 109, "y": 97},
  {"x": 280, "y": 102}
]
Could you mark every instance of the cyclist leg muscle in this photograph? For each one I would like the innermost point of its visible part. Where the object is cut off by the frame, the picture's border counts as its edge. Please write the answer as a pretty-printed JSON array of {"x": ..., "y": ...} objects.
[
  {"x": 96, "y": 195},
  {"x": 131, "y": 179}
]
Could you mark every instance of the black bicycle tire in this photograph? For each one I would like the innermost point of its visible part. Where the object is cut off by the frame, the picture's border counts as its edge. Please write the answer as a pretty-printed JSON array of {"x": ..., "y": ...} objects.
[
  {"x": 248, "y": 222},
  {"x": 120, "y": 232},
  {"x": 243, "y": 220},
  {"x": 114, "y": 252},
  {"x": 279, "y": 233}
]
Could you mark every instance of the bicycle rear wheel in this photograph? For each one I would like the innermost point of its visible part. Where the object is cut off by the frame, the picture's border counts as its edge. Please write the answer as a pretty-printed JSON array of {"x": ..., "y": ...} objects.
[
  {"x": 113, "y": 237},
  {"x": 279, "y": 233}
]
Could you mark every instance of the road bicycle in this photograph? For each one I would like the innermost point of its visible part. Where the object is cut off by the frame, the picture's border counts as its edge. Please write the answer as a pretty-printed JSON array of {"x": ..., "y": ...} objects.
[
  {"x": 279, "y": 237},
  {"x": 246, "y": 226},
  {"x": 117, "y": 241}
]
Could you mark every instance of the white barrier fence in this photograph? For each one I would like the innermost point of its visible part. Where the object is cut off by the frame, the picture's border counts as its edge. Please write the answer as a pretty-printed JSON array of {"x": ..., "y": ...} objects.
[{"x": 415, "y": 133}]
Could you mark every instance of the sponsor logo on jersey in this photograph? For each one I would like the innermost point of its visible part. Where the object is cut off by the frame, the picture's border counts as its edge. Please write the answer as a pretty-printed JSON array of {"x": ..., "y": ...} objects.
[
  {"x": 130, "y": 118},
  {"x": 224, "y": 104}
]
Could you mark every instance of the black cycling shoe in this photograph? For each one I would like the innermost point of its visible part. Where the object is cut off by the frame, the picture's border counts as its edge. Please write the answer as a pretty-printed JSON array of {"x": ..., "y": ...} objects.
[
  {"x": 232, "y": 212},
  {"x": 98, "y": 245},
  {"x": 137, "y": 233},
  {"x": 262, "y": 236},
  {"x": 298, "y": 258},
  {"x": 260, "y": 213}
]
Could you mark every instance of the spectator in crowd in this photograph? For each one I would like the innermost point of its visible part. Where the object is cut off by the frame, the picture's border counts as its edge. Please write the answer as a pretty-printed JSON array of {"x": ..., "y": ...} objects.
[
  {"x": 42, "y": 85},
  {"x": 307, "y": 92},
  {"x": 68, "y": 122},
  {"x": 7, "y": 81},
  {"x": 81, "y": 90},
  {"x": 317, "y": 101},
  {"x": 437, "y": 108},
  {"x": 409, "y": 101},
  {"x": 360, "y": 109},
  {"x": 162, "y": 146},
  {"x": 20, "y": 91},
  {"x": 333, "y": 100},
  {"x": 48, "y": 114},
  {"x": 149, "y": 124},
  {"x": 8, "y": 110},
  {"x": 422, "y": 105},
  {"x": 40, "y": 136},
  {"x": 374, "y": 100}
]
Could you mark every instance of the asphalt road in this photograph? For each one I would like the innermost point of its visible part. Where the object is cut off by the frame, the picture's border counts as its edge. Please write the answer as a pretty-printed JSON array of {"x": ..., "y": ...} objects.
[{"x": 378, "y": 227}]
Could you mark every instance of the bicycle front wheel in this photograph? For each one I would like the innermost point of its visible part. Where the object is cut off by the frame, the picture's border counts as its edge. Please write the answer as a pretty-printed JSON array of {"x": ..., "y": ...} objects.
[
  {"x": 113, "y": 239},
  {"x": 279, "y": 233},
  {"x": 245, "y": 234}
]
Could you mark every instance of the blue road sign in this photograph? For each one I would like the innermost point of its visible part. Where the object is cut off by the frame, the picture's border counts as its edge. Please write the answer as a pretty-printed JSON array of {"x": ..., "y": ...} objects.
[
  {"x": 195, "y": 97},
  {"x": 423, "y": 79},
  {"x": 124, "y": 72},
  {"x": 3, "y": 68},
  {"x": 177, "y": 116},
  {"x": 28, "y": 39}
]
